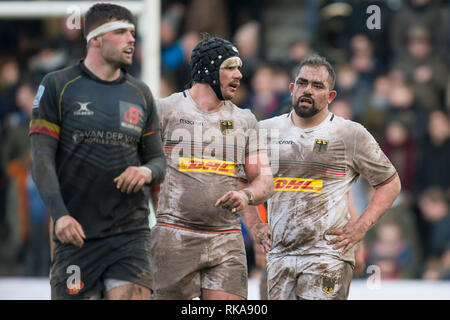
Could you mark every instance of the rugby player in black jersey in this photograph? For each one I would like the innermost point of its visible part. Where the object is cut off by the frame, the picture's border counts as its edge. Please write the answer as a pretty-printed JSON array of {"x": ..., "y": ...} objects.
[{"x": 97, "y": 151}]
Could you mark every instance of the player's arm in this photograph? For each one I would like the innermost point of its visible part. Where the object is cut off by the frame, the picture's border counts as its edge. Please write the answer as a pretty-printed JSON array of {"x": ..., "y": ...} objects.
[
  {"x": 259, "y": 231},
  {"x": 43, "y": 149},
  {"x": 151, "y": 172},
  {"x": 372, "y": 164},
  {"x": 151, "y": 153},
  {"x": 381, "y": 201},
  {"x": 260, "y": 186}
]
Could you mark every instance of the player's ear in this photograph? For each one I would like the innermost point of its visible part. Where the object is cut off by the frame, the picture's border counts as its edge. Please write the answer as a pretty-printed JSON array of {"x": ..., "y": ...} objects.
[
  {"x": 291, "y": 88},
  {"x": 94, "y": 42},
  {"x": 331, "y": 96}
]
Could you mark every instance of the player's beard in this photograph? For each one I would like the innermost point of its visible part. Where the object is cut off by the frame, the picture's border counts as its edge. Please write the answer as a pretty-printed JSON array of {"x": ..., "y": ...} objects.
[
  {"x": 303, "y": 112},
  {"x": 114, "y": 58}
]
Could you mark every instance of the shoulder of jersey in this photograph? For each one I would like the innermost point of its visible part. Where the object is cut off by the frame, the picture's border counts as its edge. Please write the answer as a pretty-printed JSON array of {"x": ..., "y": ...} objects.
[
  {"x": 244, "y": 111},
  {"x": 136, "y": 81},
  {"x": 274, "y": 122},
  {"x": 347, "y": 126},
  {"x": 172, "y": 100},
  {"x": 67, "y": 73}
]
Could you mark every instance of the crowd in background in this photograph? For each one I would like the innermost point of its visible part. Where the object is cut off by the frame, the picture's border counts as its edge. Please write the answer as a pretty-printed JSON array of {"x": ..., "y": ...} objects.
[{"x": 393, "y": 80}]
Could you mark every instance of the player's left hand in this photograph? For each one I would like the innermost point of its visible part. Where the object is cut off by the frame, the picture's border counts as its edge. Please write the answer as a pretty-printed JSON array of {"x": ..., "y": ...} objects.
[
  {"x": 233, "y": 200},
  {"x": 132, "y": 179},
  {"x": 346, "y": 237}
]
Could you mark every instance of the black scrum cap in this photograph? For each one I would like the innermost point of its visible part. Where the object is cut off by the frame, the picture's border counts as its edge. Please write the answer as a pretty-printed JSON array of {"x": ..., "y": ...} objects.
[{"x": 207, "y": 58}]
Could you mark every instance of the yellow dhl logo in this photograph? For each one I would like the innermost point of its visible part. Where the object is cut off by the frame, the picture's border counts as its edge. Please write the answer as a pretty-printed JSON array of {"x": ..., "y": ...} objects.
[
  {"x": 207, "y": 165},
  {"x": 298, "y": 184}
]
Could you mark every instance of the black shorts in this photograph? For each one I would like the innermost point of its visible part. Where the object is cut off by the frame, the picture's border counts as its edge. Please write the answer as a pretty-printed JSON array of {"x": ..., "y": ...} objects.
[{"x": 79, "y": 273}]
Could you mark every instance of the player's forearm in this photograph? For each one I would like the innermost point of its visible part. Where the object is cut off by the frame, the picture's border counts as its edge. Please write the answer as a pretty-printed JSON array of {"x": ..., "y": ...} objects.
[
  {"x": 43, "y": 149},
  {"x": 155, "y": 160},
  {"x": 380, "y": 203},
  {"x": 262, "y": 188},
  {"x": 250, "y": 217},
  {"x": 259, "y": 173}
]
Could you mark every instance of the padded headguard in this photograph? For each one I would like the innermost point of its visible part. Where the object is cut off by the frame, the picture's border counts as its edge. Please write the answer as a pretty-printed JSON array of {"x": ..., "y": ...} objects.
[{"x": 206, "y": 60}]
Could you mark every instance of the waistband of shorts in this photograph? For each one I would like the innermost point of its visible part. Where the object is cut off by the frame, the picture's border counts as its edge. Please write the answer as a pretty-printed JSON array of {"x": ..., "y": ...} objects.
[{"x": 197, "y": 230}]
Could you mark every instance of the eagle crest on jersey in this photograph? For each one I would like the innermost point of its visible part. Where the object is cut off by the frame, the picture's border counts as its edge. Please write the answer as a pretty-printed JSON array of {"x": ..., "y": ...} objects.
[
  {"x": 320, "y": 145},
  {"x": 328, "y": 285},
  {"x": 226, "y": 126}
]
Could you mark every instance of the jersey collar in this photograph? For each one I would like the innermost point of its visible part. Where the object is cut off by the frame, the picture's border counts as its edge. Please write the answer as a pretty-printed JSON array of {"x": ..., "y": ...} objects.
[{"x": 88, "y": 73}]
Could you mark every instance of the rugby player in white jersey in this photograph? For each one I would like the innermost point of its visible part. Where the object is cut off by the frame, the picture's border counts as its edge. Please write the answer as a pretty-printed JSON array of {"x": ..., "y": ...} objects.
[{"x": 320, "y": 157}]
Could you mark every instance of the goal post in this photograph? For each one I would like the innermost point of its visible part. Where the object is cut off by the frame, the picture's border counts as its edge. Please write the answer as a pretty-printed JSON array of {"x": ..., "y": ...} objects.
[{"x": 148, "y": 13}]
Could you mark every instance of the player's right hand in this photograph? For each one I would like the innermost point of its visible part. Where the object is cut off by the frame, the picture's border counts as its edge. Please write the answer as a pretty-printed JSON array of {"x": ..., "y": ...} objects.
[
  {"x": 261, "y": 235},
  {"x": 68, "y": 230}
]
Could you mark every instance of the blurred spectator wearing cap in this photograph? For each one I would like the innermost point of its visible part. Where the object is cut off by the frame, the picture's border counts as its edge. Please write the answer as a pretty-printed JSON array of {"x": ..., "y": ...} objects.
[
  {"x": 433, "y": 166},
  {"x": 426, "y": 13},
  {"x": 426, "y": 71}
]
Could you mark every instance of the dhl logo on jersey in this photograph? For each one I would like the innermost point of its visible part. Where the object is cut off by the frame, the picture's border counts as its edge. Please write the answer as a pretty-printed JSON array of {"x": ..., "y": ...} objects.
[
  {"x": 207, "y": 165},
  {"x": 298, "y": 184}
]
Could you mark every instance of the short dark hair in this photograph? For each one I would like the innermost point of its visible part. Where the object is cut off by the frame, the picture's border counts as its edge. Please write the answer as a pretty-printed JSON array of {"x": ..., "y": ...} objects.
[
  {"x": 101, "y": 13},
  {"x": 318, "y": 61}
]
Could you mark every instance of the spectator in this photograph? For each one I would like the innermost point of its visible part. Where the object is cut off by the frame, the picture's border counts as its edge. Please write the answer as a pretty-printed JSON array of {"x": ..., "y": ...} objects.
[
  {"x": 426, "y": 71},
  {"x": 9, "y": 78},
  {"x": 363, "y": 60},
  {"x": 176, "y": 58},
  {"x": 434, "y": 209},
  {"x": 401, "y": 150},
  {"x": 50, "y": 57},
  {"x": 426, "y": 13},
  {"x": 341, "y": 108},
  {"x": 434, "y": 155},
  {"x": 209, "y": 16},
  {"x": 353, "y": 88},
  {"x": 71, "y": 41},
  {"x": 37, "y": 251},
  {"x": 281, "y": 79},
  {"x": 298, "y": 50},
  {"x": 392, "y": 253},
  {"x": 263, "y": 100},
  {"x": 16, "y": 160},
  {"x": 247, "y": 41},
  {"x": 403, "y": 106},
  {"x": 374, "y": 114},
  {"x": 356, "y": 23}
]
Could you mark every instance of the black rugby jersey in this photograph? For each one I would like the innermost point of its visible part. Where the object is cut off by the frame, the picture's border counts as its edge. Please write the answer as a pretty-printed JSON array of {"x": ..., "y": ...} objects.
[{"x": 101, "y": 128}]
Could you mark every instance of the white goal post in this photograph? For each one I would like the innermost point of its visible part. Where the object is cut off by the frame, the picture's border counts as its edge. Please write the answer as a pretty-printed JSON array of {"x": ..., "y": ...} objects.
[{"x": 148, "y": 18}]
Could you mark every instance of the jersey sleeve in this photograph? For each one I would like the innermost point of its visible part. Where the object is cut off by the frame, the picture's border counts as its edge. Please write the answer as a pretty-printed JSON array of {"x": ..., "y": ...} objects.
[
  {"x": 45, "y": 118},
  {"x": 152, "y": 124},
  {"x": 370, "y": 161},
  {"x": 253, "y": 139},
  {"x": 151, "y": 149}
]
